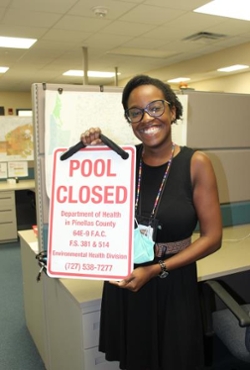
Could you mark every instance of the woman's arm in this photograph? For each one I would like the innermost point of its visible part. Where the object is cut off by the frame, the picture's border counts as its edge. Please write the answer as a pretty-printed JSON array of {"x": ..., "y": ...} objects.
[{"x": 206, "y": 202}]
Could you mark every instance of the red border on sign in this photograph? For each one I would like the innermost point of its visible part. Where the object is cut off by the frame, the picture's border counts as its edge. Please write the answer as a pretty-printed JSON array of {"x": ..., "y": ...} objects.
[{"x": 51, "y": 273}]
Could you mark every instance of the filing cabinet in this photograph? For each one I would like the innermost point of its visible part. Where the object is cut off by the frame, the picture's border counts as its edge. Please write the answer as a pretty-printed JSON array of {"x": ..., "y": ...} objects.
[
  {"x": 8, "y": 214},
  {"x": 8, "y": 223},
  {"x": 93, "y": 359}
]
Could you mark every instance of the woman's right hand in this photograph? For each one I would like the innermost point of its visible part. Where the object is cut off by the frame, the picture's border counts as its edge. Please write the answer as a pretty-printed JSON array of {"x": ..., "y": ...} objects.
[{"x": 91, "y": 136}]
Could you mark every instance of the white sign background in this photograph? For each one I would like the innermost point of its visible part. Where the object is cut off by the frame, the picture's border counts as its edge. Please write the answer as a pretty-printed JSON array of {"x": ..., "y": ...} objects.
[{"x": 92, "y": 214}]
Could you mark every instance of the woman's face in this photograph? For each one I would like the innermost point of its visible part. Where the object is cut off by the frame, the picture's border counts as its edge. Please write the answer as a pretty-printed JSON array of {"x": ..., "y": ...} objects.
[{"x": 152, "y": 131}]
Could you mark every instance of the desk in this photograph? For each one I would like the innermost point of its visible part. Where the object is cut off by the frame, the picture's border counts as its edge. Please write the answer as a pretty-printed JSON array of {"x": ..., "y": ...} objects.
[
  {"x": 8, "y": 221},
  {"x": 62, "y": 315},
  {"x": 231, "y": 258},
  {"x": 21, "y": 185}
]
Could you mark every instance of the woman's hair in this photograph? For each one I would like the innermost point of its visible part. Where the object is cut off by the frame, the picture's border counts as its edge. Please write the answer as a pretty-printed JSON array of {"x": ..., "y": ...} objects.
[{"x": 168, "y": 93}]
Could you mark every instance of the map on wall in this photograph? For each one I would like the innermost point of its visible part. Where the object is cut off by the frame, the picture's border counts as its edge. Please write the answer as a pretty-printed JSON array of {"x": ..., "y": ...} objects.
[{"x": 16, "y": 138}]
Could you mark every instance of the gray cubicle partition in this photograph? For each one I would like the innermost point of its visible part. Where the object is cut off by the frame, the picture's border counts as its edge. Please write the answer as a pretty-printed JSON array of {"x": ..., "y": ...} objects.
[{"x": 219, "y": 123}]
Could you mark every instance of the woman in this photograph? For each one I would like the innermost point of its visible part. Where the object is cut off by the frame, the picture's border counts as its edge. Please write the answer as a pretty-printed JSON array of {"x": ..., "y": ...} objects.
[{"x": 151, "y": 320}]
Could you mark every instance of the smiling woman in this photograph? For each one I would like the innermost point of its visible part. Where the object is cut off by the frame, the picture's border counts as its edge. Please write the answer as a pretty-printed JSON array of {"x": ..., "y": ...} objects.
[{"x": 154, "y": 313}]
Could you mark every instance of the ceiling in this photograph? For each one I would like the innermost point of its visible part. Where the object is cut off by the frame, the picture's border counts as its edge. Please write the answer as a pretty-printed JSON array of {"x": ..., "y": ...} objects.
[{"x": 136, "y": 36}]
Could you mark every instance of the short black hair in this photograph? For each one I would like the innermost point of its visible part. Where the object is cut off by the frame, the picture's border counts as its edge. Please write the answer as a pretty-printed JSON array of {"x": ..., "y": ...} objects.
[{"x": 168, "y": 93}]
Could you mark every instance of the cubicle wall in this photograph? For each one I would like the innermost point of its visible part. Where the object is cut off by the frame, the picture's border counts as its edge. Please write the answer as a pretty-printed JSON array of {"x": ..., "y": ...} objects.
[{"x": 217, "y": 123}]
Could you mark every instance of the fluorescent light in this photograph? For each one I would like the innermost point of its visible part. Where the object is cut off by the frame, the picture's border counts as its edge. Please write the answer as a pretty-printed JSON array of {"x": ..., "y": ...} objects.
[
  {"x": 239, "y": 9},
  {"x": 235, "y": 67},
  {"x": 3, "y": 69},
  {"x": 16, "y": 42},
  {"x": 79, "y": 73},
  {"x": 73, "y": 72},
  {"x": 179, "y": 79}
]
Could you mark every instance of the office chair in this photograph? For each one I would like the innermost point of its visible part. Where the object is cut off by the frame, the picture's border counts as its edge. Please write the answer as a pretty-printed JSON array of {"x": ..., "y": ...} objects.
[{"x": 230, "y": 324}]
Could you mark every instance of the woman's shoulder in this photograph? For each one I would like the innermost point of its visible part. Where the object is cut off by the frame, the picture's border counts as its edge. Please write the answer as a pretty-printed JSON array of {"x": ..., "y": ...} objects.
[
  {"x": 197, "y": 156},
  {"x": 187, "y": 149},
  {"x": 185, "y": 152}
]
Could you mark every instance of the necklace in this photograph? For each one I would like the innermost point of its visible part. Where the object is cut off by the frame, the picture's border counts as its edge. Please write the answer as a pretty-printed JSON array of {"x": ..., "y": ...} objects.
[{"x": 161, "y": 188}]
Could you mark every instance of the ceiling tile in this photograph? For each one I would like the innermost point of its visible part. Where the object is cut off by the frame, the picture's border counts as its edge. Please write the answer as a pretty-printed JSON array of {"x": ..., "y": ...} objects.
[{"x": 64, "y": 27}]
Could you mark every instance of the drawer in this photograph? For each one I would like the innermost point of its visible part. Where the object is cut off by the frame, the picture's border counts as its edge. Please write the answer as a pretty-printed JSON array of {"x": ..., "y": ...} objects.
[
  {"x": 7, "y": 198},
  {"x": 8, "y": 232},
  {"x": 91, "y": 324},
  {"x": 95, "y": 360},
  {"x": 7, "y": 216},
  {"x": 5, "y": 194}
]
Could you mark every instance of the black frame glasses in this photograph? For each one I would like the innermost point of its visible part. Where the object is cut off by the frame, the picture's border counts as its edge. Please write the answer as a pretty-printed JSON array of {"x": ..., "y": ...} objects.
[{"x": 155, "y": 108}]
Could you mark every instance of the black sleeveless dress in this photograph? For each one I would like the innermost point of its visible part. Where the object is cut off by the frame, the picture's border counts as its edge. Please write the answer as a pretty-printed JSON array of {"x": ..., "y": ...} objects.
[{"x": 159, "y": 327}]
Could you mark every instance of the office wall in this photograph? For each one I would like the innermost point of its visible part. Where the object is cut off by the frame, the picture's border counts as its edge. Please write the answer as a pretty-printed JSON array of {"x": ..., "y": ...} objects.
[
  {"x": 238, "y": 83},
  {"x": 15, "y": 100}
]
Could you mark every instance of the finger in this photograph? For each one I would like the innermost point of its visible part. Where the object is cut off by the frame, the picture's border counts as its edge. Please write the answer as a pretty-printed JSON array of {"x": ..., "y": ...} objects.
[
  {"x": 94, "y": 134},
  {"x": 114, "y": 282},
  {"x": 120, "y": 283},
  {"x": 91, "y": 136},
  {"x": 126, "y": 283},
  {"x": 96, "y": 131}
]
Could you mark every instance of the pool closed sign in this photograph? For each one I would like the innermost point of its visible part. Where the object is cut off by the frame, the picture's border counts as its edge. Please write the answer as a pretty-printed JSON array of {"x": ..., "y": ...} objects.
[{"x": 91, "y": 217}]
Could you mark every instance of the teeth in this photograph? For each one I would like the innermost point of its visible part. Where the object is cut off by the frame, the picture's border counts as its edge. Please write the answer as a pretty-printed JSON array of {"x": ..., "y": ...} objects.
[{"x": 150, "y": 130}]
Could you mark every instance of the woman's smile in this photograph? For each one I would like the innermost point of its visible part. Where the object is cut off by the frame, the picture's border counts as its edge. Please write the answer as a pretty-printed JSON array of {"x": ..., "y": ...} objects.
[{"x": 151, "y": 130}]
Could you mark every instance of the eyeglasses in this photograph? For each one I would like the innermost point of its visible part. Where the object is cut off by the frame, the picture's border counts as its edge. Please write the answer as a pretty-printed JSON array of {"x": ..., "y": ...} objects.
[{"x": 155, "y": 109}]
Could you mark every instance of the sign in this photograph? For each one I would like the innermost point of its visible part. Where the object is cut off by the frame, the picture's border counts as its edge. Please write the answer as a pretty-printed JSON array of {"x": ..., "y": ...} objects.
[
  {"x": 3, "y": 170},
  {"x": 91, "y": 219},
  {"x": 18, "y": 169}
]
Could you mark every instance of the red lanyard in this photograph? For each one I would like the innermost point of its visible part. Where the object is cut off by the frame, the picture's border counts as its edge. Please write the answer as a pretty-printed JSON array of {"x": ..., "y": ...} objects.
[{"x": 161, "y": 188}]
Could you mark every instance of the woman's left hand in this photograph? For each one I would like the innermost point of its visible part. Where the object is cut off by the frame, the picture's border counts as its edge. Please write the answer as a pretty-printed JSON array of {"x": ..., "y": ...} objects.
[{"x": 139, "y": 277}]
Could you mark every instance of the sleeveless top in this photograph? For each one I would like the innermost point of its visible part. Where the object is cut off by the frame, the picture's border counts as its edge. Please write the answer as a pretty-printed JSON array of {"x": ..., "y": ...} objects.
[
  {"x": 176, "y": 213},
  {"x": 158, "y": 327}
]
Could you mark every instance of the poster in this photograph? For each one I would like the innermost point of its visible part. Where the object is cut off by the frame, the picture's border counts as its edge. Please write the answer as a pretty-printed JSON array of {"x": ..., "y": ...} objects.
[{"x": 16, "y": 139}]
